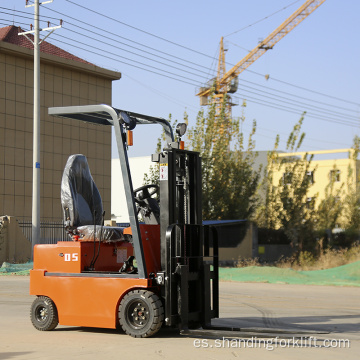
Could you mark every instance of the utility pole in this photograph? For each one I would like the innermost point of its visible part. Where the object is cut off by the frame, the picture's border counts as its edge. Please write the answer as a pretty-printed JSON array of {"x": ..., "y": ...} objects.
[{"x": 36, "y": 126}]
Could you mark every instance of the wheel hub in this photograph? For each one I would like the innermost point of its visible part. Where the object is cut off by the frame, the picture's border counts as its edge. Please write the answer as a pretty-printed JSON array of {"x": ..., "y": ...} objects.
[
  {"x": 139, "y": 314},
  {"x": 42, "y": 314}
]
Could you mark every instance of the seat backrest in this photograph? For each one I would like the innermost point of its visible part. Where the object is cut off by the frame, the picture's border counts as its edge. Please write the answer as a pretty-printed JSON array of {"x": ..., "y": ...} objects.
[{"x": 80, "y": 197}]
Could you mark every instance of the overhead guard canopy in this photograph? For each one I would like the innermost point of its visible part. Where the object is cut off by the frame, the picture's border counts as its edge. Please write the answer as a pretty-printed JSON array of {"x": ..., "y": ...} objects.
[{"x": 106, "y": 115}]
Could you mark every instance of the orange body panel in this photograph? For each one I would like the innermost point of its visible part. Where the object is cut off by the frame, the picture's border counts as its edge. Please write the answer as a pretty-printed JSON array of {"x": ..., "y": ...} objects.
[
  {"x": 150, "y": 235},
  {"x": 74, "y": 257},
  {"x": 91, "y": 298},
  {"x": 85, "y": 301}
]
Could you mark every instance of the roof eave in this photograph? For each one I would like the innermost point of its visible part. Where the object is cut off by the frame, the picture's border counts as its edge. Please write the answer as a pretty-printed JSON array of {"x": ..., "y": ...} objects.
[{"x": 56, "y": 60}]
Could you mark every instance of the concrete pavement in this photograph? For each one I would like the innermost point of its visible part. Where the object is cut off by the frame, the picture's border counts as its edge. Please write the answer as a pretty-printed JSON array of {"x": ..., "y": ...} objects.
[{"x": 326, "y": 308}]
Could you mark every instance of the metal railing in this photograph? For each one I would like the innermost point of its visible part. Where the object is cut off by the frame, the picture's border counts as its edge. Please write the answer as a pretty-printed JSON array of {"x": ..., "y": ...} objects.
[{"x": 50, "y": 231}]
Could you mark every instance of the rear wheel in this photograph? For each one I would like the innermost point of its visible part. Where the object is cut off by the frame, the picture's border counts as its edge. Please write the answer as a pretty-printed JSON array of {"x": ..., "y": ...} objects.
[
  {"x": 141, "y": 313},
  {"x": 44, "y": 314}
]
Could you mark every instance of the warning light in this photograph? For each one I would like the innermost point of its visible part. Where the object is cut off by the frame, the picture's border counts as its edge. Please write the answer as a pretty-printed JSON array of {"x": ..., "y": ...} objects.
[{"x": 130, "y": 139}]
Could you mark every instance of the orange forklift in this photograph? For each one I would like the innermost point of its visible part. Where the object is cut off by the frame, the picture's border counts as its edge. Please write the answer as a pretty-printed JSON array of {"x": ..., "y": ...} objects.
[{"x": 160, "y": 272}]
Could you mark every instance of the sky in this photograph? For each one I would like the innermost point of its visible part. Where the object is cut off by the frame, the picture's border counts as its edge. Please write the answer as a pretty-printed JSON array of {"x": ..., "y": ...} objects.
[{"x": 166, "y": 49}]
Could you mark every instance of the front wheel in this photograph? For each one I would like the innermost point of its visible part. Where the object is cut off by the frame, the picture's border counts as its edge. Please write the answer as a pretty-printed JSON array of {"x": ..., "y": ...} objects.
[
  {"x": 141, "y": 313},
  {"x": 44, "y": 314}
]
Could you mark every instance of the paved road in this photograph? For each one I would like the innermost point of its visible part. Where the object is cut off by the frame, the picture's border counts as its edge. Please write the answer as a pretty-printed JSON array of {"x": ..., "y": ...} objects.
[{"x": 333, "y": 309}]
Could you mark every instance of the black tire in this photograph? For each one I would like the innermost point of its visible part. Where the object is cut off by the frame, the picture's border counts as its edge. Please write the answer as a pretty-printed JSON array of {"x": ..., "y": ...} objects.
[
  {"x": 141, "y": 313},
  {"x": 43, "y": 314}
]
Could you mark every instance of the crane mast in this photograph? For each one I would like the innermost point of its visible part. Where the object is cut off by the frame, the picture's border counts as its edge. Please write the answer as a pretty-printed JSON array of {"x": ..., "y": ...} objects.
[{"x": 226, "y": 83}]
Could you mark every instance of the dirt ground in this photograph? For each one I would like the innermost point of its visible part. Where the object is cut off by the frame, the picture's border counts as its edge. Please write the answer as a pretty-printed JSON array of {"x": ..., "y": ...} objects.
[{"x": 246, "y": 305}]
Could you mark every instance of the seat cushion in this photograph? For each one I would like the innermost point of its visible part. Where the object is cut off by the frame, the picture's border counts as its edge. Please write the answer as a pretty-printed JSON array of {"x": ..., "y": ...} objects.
[{"x": 103, "y": 234}]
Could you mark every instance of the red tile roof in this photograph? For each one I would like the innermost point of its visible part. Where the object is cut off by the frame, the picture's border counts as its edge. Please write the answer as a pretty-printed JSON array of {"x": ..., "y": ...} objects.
[{"x": 10, "y": 35}]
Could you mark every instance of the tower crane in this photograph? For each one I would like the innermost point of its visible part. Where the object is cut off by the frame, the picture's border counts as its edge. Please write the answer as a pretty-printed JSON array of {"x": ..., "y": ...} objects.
[{"x": 226, "y": 82}]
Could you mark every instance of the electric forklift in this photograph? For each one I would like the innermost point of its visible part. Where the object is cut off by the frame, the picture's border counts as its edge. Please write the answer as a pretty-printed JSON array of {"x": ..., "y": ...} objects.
[{"x": 160, "y": 272}]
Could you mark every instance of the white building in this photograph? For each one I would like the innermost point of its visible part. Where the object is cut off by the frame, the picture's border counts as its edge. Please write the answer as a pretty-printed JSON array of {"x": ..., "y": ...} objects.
[{"x": 139, "y": 166}]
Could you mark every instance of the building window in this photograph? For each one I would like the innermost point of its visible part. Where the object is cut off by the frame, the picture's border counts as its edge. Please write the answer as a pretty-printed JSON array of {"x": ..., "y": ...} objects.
[
  {"x": 310, "y": 203},
  {"x": 310, "y": 175},
  {"x": 287, "y": 177},
  {"x": 335, "y": 175}
]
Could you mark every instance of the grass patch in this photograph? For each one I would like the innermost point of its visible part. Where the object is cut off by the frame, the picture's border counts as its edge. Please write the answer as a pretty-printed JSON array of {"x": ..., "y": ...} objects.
[
  {"x": 345, "y": 275},
  {"x": 326, "y": 259},
  {"x": 16, "y": 269}
]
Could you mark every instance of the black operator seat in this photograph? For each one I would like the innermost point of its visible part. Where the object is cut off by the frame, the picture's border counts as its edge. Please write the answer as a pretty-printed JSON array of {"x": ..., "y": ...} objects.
[{"x": 81, "y": 202}]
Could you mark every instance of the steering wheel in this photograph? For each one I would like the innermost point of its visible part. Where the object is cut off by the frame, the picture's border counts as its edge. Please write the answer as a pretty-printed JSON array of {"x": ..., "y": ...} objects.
[{"x": 142, "y": 193}]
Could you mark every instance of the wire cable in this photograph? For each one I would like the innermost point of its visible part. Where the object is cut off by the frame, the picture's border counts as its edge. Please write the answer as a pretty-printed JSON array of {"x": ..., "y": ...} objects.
[
  {"x": 165, "y": 96},
  {"x": 305, "y": 89},
  {"x": 287, "y": 102},
  {"x": 299, "y": 97},
  {"x": 126, "y": 63},
  {"x": 206, "y": 55},
  {"x": 295, "y": 111},
  {"x": 106, "y": 36},
  {"x": 299, "y": 103},
  {"x": 302, "y": 88},
  {"x": 126, "y": 58},
  {"x": 316, "y": 108},
  {"x": 138, "y": 29},
  {"x": 291, "y": 103},
  {"x": 266, "y": 17},
  {"x": 123, "y": 62}
]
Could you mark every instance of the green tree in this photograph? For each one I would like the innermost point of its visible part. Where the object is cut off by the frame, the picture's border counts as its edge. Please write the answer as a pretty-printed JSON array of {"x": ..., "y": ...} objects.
[
  {"x": 286, "y": 204},
  {"x": 229, "y": 182},
  {"x": 352, "y": 198},
  {"x": 267, "y": 213},
  {"x": 330, "y": 208},
  {"x": 296, "y": 214}
]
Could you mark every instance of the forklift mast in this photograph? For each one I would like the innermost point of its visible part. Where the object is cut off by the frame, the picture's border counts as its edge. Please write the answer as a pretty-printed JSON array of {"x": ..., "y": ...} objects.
[{"x": 186, "y": 277}]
